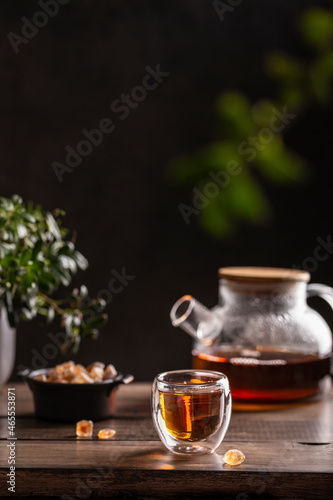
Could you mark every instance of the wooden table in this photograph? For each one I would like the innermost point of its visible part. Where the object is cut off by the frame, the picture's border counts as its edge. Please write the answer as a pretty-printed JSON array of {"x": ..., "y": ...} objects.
[{"x": 289, "y": 454}]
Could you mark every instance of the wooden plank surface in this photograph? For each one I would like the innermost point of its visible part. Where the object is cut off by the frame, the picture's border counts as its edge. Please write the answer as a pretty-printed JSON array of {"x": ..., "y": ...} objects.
[
  {"x": 253, "y": 428},
  {"x": 169, "y": 484},
  {"x": 165, "y": 484},
  {"x": 286, "y": 451},
  {"x": 151, "y": 455},
  {"x": 310, "y": 423}
]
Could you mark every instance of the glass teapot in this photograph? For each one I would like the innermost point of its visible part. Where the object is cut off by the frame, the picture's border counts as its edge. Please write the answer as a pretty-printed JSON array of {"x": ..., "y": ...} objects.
[{"x": 271, "y": 345}]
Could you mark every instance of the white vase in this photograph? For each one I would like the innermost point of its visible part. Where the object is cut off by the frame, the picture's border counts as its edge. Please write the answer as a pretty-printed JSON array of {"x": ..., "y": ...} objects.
[{"x": 7, "y": 348}]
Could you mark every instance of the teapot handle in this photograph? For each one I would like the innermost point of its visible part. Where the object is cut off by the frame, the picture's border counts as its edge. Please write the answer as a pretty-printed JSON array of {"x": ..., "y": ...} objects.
[{"x": 323, "y": 291}]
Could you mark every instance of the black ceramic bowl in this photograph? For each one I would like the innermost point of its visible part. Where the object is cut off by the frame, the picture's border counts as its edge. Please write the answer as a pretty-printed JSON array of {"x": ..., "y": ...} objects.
[{"x": 73, "y": 402}]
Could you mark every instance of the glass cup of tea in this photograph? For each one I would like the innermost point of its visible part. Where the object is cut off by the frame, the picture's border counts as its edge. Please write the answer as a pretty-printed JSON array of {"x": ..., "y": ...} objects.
[{"x": 191, "y": 410}]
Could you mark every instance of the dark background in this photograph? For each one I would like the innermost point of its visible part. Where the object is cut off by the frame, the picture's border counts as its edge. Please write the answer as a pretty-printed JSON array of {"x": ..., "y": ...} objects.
[{"x": 119, "y": 198}]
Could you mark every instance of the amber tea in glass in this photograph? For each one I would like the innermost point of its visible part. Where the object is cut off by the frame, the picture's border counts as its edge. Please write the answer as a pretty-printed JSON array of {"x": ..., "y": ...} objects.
[{"x": 191, "y": 410}]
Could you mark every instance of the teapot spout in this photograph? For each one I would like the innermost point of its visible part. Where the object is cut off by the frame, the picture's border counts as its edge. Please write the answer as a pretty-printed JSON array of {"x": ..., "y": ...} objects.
[{"x": 196, "y": 320}]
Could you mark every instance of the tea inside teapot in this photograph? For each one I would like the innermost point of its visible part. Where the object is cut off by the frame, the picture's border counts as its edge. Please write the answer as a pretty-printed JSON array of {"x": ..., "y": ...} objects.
[{"x": 267, "y": 375}]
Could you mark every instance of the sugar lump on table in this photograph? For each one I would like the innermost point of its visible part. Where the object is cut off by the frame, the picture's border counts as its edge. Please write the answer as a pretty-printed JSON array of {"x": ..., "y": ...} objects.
[
  {"x": 106, "y": 433},
  {"x": 84, "y": 428},
  {"x": 233, "y": 457}
]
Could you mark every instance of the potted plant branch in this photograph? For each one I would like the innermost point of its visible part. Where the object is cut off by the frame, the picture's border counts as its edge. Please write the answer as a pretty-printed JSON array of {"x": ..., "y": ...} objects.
[{"x": 36, "y": 258}]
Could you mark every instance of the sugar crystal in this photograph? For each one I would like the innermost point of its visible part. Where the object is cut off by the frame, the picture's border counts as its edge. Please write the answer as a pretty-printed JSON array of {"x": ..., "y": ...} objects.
[
  {"x": 106, "y": 433},
  {"x": 110, "y": 373},
  {"x": 84, "y": 428},
  {"x": 233, "y": 457}
]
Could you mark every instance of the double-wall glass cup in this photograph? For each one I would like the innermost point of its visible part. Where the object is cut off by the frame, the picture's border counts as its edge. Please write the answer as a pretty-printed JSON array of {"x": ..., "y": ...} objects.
[{"x": 191, "y": 410}]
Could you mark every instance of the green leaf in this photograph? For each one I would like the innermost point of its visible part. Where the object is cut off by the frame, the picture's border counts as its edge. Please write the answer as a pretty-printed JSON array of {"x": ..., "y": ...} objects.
[
  {"x": 248, "y": 201},
  {"x": 8, "y": 247},
  {"x": 58, "y": 212},
  {"x": 37, "y": 265},
  {"x": 50, "y": 315},
  {"x": 47, "y": 281},
  {"x": 217, "y": 156},
  {"x": 295, "y": 95},
  {"x": 214, "y": 157},
  {"x": 316, "y": 25},
  {"x": 76, "y": 321},
  {"x": 26, "y": 256},
  {"x": 64, "y": 276},
  {"x": 28, "y": 314},
  {"x": 280, "y": 165},
  {"x": 234, "y": 112},
  {"x": 3, "y": 221},
  {"x": 9, "y": 261},
  {"x": 37, "y": 248},
  {"x": 263, "y": 112},
  {"x": 92, "y": 334},
  {"x": 53, "y": 226},
  {"x": 60, "y": 279},
  {"x": 83, "y": 291},
  {"x": 21, "y": 231},
  {"x": 67, "y": 249},
  {"x": 97, "y": 322},
  {"x": 94, "y": 306},
  {"x": 27, "y": 279},
  {"x": 28, "y": 217},
  {"x": 68, "y": 263},
  {"x": 80, "y": 260},
  {"x": 6, "y": 204},
  {"x": 283, "y": 67},
  {"x": 31, "y": 300},
  {"x": 17, "y": 199}
]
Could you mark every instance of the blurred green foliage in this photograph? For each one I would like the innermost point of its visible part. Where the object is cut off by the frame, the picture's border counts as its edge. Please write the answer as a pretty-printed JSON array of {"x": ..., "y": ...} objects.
[
  {"x": 252, "y": 135},
  {"x": 302, "y": 83},
  {"x": 35, "y": 259}
]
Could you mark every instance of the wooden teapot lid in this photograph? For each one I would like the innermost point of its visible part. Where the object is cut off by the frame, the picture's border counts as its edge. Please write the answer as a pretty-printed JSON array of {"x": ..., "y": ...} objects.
[{"x": 263, "y": 274}]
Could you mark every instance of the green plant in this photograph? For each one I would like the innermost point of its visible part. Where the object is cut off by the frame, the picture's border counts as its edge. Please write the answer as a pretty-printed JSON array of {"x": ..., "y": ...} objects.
[
  {"x": 244, "y": 135},
  {"x": 304, "y": 83},
  {"x": 35, "y": 259}
]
